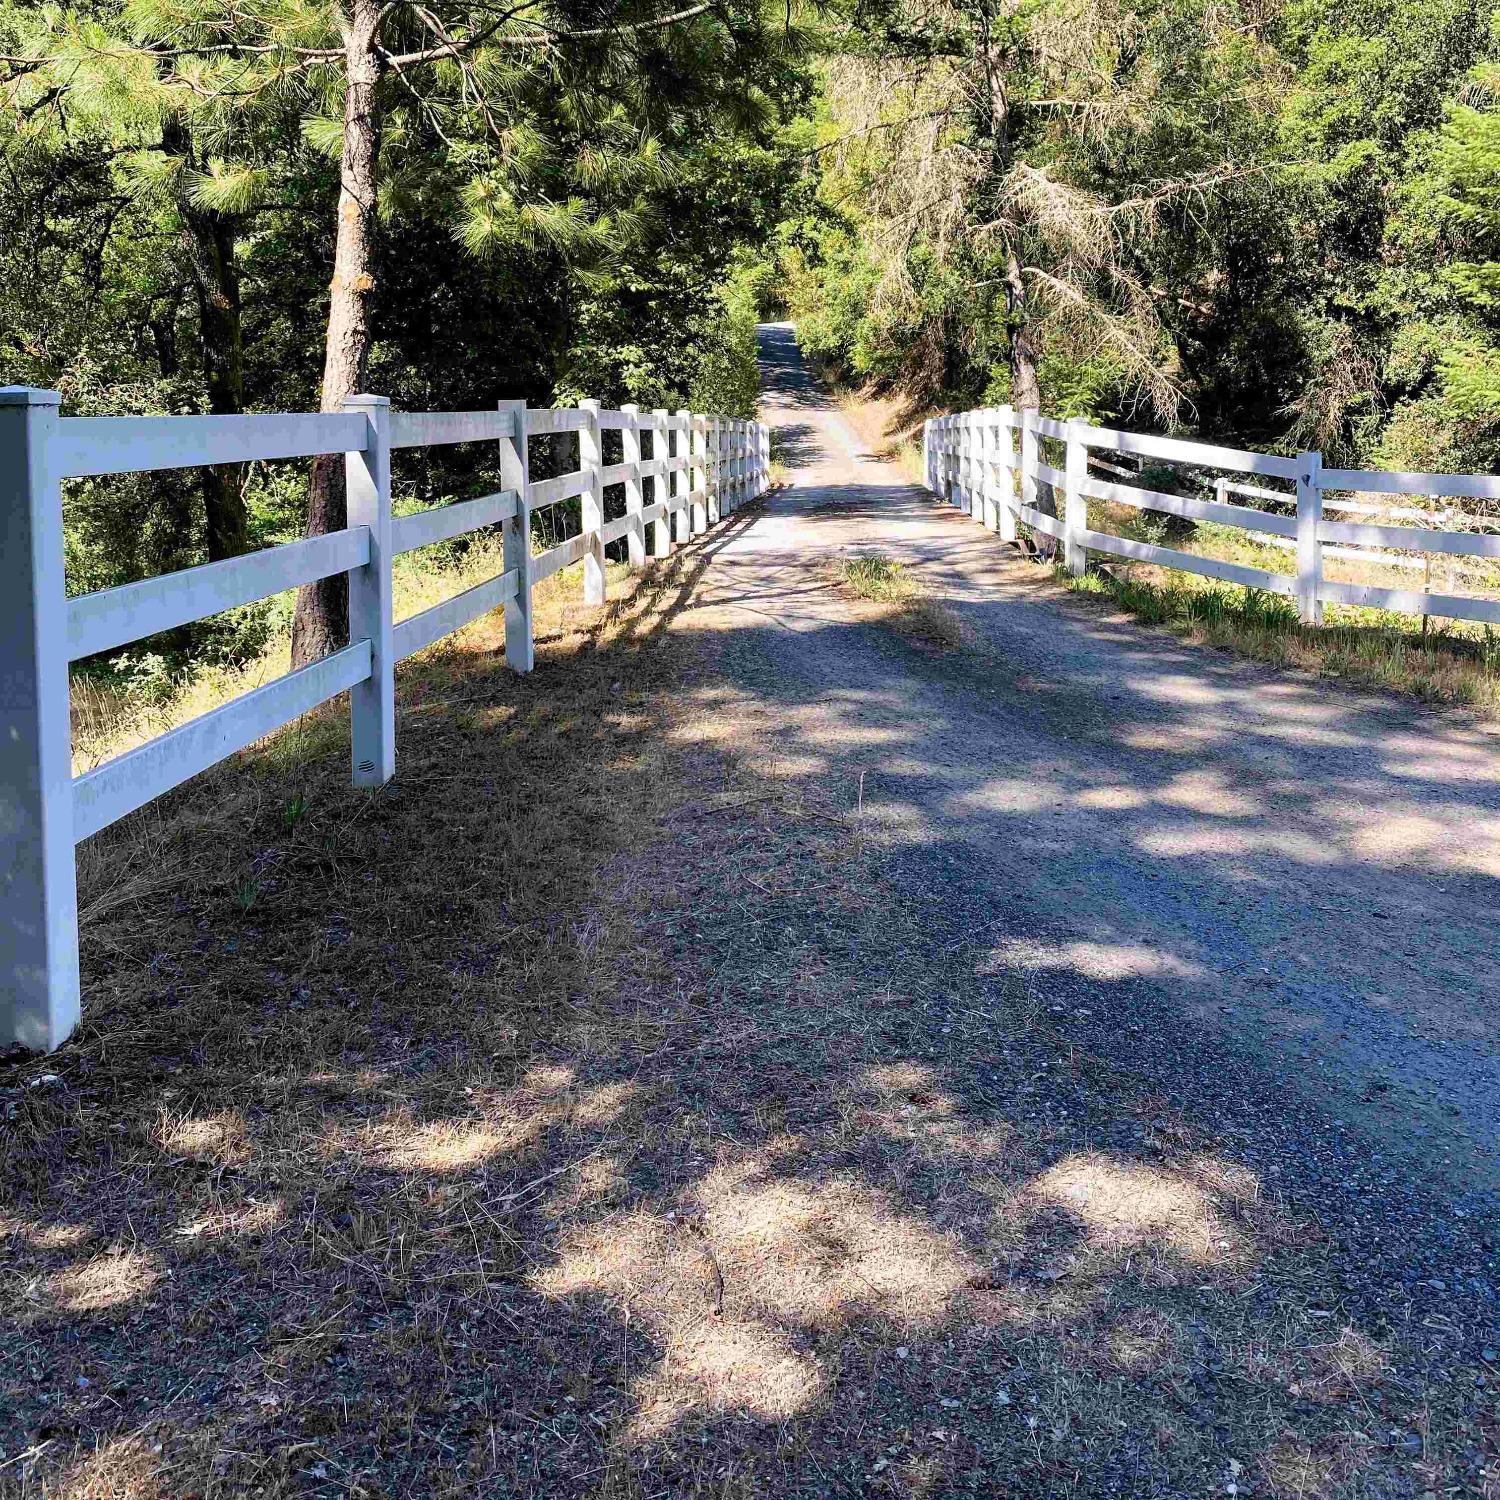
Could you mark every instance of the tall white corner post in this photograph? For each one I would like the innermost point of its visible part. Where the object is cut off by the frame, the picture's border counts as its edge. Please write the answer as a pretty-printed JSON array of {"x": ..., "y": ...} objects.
[
  {"x": 590, "y": 460},
  {"x": 515, "y": 476},
  {"x": 1075, "y": 503},
  {"x": 1005, "y": 435},
  {"x": 39, "y": 997},
  {"x": 372, "y": 703},
  {"x": 661, "y": 485},
  {"x": 635, "y": 497},
  {"x": 1309, "y": 546}
]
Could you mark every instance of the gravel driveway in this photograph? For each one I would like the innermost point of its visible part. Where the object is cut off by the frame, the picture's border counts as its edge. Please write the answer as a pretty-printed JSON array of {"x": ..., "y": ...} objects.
[{"x": 1306, "y": 872}]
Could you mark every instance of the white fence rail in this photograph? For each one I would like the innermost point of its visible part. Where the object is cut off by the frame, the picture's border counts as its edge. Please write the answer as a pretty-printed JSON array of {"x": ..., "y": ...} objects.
[
  {"x": 701, "y": 467},
  {"x": 989, "y": 462}
]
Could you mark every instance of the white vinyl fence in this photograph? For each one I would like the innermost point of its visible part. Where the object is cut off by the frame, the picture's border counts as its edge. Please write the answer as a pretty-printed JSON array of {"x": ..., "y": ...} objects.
[
  {"x": 700, "y": 466},
  {"x": 971, "y": 458}
]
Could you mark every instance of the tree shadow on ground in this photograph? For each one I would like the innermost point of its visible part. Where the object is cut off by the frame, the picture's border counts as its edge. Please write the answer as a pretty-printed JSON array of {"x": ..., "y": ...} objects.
[{"x": 606, "y": 1109}]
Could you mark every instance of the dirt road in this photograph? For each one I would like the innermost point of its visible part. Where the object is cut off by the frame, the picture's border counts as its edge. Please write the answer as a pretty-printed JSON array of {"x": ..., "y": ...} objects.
[{"x": 1308, "y": 872}]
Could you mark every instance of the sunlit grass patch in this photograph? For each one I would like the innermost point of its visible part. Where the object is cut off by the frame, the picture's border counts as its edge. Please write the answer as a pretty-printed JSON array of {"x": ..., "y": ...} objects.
[{"x": 908, "y": 609}]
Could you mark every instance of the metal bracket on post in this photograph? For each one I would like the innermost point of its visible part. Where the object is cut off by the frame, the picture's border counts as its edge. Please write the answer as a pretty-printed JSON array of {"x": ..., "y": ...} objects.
[
  {"x": 590, "y": 460},
  {"x": 1006, "y": 435},
  {"x": 630, "y": 437},
  {"x": 39, "y": 992},
  {"x": 515, "y": 474},
  {"x": 372, "y": 614},
  {"x": 1309, "y": 547},
  {"x": 1075, "y": 504}
]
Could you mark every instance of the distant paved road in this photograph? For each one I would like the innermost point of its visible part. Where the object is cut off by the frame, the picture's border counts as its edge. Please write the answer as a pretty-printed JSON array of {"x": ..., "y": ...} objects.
[{"x": 1309, "y": 870}]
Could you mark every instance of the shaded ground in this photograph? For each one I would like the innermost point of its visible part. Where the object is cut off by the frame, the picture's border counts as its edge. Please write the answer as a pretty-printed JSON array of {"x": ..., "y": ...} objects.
[{"x": 612, "y": 1108}]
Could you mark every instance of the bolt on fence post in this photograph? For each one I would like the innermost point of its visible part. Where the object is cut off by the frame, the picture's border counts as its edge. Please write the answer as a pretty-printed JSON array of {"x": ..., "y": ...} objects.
[
  {"x": 630, "y": 437},
  {"x": 1075, "y": 505},
  {"x": 39, "y": 994},
  {"x": 515, "y": 474},
  {"x": 372, "y": 614},
  {"x": 590, "y": 461},
  {"x": 1309, "y": 547},
  {"x": 661, "y": 486},
  {"x": 1006, "y": 433},
  {"x": 682, "y": 517}
]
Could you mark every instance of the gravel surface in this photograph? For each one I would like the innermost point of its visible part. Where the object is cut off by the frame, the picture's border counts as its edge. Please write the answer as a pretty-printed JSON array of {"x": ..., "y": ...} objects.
[{"x": 1305, "y": 871}]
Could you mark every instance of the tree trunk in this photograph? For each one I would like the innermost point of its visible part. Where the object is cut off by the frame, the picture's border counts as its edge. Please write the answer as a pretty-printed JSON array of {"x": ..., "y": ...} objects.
[
  {"x": 208, "y": 238},
  {"x": 217, "y": 280},
  {"x": 1025, "y": 391},
  {"x": 321, "y": 624}
]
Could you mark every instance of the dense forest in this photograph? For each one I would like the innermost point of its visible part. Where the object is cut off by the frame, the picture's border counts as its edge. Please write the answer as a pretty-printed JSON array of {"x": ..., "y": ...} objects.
[{"x": 1273, "y": 223}]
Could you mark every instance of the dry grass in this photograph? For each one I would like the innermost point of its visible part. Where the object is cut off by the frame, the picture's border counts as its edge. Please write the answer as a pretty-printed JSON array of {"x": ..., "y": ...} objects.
[
  {"x": 587, "y": 1114},
  {"x": 900, "y": 600},
  {"x": 1440, "y": 667}
]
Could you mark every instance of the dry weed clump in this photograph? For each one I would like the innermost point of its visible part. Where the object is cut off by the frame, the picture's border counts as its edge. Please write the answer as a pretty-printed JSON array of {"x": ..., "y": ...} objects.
[{"x": 901, "y": 601}]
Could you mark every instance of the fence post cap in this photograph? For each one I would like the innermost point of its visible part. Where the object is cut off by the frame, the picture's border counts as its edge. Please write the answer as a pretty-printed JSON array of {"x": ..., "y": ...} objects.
[
  {"x": 366, "y": 400},
  {"x": 630, "y": 406},
  {"x": 588, "y": 404},
  {"x": 28, "y": 395}
]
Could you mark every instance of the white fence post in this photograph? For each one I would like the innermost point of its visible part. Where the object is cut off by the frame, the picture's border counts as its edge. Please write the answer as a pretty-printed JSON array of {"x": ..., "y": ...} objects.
[
  {"x": 372, "y": 615},
  {"x": 39, "y": 998},
  {"x": 630, "y": 437},
  {"x": 682, "y": 518},
  {"x": 713, "y": 447},
  {"x": 1309, "y": 548},
  {"x": 515, "y": 474},
  {"x": 1029, "y": 456},
  {"x": 698, "y": 485},
  {"x": 1075, "y": 503},
  {"x": 989, "y": 453},
  {"x": 1006, "y": 435},
  {"x": 661, "y": 491},
  {"x": 590, "y": 461}
]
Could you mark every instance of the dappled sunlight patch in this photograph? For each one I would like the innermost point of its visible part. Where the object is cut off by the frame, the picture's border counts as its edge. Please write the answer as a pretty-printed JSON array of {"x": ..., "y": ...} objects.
[
  {"x": 105, "y": 1281},
  {"x": 1190, "y": 840},
  {"x": 44, "y": 1237},
  {"x": 1003, "y": 794},
  {"x": 727, "y": 1367},
  {"x": 1098, "y": 960},
  {"x": 1410, "y": 838},
  {"x": 1209, "y": 791},
  {"x": 724, "y": 1287},
  {"x": 451, "y": 1145},
  {"x": 1124, "y": 1205},
  {"x": 1294, "y": 1470},
  {"x": 239, "y": 1221},
  {"x": 1180, "y": 739},
  {"x": 222, "y": 1139},
  {"x": 1113, "y": 798},
  {"x": 604, "y": 1105},
  {"x": 125, "y": 1469}
]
